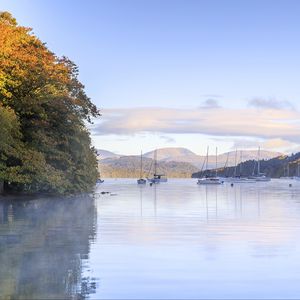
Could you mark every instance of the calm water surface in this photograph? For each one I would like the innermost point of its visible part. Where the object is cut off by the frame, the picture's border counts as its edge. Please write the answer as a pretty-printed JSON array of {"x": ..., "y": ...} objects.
[{"x": 175, "y": 240}]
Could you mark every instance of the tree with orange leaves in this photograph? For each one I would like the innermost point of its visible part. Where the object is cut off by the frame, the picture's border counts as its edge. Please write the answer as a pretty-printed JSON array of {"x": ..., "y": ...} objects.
[{"x": 51, "y": 109}]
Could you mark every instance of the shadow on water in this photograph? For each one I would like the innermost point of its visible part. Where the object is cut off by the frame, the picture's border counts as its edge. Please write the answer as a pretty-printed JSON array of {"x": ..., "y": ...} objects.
[{"x": 43, "y": 246}]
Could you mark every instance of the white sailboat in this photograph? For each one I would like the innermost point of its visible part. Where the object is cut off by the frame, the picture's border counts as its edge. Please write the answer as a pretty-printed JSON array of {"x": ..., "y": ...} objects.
[
  {"x": 157, "y": 178},
  {"x": 259, "y": 176},
  {"x": 141, "y": 180},
  {"x": 239, "y": 178},
  {"x": 210, "y": 179}
]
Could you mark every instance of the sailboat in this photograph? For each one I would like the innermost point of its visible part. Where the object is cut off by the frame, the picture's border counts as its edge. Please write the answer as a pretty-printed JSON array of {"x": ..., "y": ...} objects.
[
  {"x": 210, "y": 179},
  {"x": 286, "y": 171},
  {"x": 141, "y": 180},
  {"x": 297, "y": 177},
  {"x": 239, "y": 178},
  {"x": 157, "y": 178},
  {"x": 259, "y": 176}
]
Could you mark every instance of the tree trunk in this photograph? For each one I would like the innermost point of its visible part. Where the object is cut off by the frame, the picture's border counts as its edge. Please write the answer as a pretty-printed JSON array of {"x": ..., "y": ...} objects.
[{"x": 1, "y": 187}]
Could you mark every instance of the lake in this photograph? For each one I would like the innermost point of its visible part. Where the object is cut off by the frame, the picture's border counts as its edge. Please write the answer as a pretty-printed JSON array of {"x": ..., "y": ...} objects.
[{"x": 173, "y": 240}]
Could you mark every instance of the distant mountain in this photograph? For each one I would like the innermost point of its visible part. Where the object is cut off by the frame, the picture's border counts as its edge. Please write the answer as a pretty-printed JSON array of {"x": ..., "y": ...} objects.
[
  {"x": 129, "y": 166},
  {"x": 169, "y": 154},
  {"x": 185, "y": 155},
  {"x": 102, "y": 154},
  {"x": 175, "y": 162}
]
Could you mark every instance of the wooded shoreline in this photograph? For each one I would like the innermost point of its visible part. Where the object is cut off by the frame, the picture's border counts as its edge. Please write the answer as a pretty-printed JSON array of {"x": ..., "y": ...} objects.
[{"x": 45, "y": 145}]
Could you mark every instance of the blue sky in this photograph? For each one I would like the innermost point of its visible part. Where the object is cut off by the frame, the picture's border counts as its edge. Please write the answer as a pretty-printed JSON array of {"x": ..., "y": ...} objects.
[{"x": 143, "y": 59}]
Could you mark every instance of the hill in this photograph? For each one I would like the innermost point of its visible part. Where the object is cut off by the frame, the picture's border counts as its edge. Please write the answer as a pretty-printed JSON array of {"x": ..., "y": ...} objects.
[
  {"x": 179, "y": 154},
  {"x": 102, "y": 154},
  {"x": 172, "y": 153},
  {"x": 175, "y": 162},
  {"x": 129, "y": 167}
]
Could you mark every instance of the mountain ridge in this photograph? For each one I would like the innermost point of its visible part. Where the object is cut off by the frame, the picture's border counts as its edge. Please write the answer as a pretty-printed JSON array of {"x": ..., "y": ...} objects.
[
  {"x": 181, "y": 154},
  {"x": 175, "y": 162}
]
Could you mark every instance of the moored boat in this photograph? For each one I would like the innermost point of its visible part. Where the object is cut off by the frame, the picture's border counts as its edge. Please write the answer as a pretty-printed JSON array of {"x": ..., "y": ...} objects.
[
  {"x": 141, "y": 180},
  {"x": 157, "y": 178},
  {"x": 211, "y": 179},
  {"x": 239, "y": 179},
  {"x": 260, "y": 177}
]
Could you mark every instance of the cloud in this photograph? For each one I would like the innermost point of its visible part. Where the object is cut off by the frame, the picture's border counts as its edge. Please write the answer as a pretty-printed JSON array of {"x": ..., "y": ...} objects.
[
  {"x": 274, "y": 143},
  {"x": 270, "y": 104},
  {"x": 265, "y": 123},
  {"x": 246, "y": 144},
  {"x": 278, "y": 143},
  {"x": 167, "y": 139},
  {"x": 210, "y": 103}
]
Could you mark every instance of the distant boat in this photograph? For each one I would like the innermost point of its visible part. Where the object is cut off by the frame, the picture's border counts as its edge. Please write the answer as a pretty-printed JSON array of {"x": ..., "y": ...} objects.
[
  {"x": 259, "y": 176},
  {"x": 141, "y": 180},
  {"x": 286, "y": 172},
  {"x": 242, "y": 179},
  {"x": 157, "y": 178},
  {"x": 210, "y": 179},
  {"x": 297, "y": 177},
  {"x": 239, "y": 178}
]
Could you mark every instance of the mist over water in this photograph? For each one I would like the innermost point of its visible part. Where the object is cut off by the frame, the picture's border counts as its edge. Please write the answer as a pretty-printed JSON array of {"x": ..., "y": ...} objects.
[
  {"x": 173, "y": 240},
  {"x": 44, "y": 246}
]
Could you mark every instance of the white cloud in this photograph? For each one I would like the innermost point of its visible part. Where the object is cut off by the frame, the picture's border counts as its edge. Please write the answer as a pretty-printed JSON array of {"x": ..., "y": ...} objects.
[
  {"x": 265, "y": 123},
  {"x": 167, "y": 139}
]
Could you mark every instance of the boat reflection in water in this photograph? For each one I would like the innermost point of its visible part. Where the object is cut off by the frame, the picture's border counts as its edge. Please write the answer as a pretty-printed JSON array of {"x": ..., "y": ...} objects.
[{"x": 44, "y": 244}]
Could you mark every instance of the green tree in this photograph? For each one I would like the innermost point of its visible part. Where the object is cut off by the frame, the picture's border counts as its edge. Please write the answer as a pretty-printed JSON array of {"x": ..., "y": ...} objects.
[{"x": 51, "y": 109}]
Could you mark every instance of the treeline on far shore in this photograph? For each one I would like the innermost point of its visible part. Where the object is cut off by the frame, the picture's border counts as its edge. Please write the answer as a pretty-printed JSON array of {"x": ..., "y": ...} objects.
[
  {"x": 281, "y": 166},
  {"x": 44, "y": 143}
]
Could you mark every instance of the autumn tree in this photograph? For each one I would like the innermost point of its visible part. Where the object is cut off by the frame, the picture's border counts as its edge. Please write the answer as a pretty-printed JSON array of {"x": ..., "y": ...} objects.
[{"x": 51, "y": 110}]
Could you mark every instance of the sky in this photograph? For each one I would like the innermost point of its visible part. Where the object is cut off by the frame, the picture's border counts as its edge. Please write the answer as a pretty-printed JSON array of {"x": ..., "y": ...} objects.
[{"x": 180, "y": 73}]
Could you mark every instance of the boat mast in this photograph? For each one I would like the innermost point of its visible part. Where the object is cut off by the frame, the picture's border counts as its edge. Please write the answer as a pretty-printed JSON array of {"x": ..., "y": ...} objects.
[
  {"x": 241, "y": 162},
  {"x": 235, "y": 162},
  {"x": 141, "y": 170},
  {"x": 216, "y": 161},
  {"x": 155, "y": 162},
  {"x": 207, "y": 160},
  {"x": 258, "y": 162},
  {"x": 225, "y": 165}
]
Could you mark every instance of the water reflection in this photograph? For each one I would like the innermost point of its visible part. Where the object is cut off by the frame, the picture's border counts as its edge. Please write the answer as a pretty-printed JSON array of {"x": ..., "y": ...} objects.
[
  {"x": 180, "y": 240},
  {"x": 44, "y": 244},
  {"x": 175, "y": 240}
]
